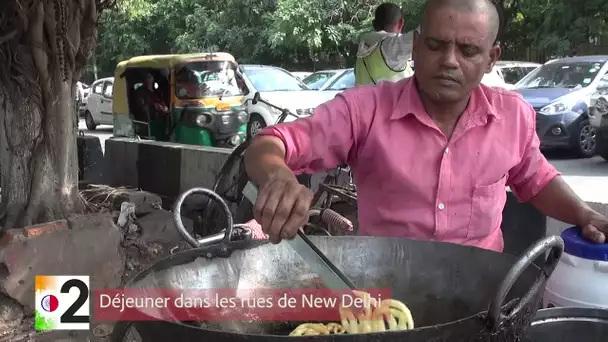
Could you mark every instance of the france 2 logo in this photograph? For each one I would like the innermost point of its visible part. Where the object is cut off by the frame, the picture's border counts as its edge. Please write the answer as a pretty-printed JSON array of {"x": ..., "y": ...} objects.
[{"x": 62, "y": 303}]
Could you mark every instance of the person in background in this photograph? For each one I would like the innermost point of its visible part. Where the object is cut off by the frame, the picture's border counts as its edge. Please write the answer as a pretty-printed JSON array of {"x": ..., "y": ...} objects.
[
  {"x": 431, "y": 154},
  {"x": 153, "y": 105},
  {"x": 384, "y": 54},
  {"x": 186, "y": 84}
]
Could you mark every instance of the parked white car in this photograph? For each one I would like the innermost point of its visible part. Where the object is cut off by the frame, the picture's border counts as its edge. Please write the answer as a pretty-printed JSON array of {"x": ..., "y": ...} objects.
[
  {"x": 513, "y": 71},
  {"x": 82, "y": 93},
  {"x": 494, "y": 79},
  {"x": 280, "y": 88},
  {"x": 345, "y": 79},
  {"x": 98, "y": 108},
  {"x": 301, "y": 74},
  {"x": 319, "y": 79}
]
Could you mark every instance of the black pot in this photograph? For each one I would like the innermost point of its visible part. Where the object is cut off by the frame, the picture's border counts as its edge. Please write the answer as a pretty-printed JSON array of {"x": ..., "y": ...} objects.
[
  {"x": 455, "y": 293},
  {"x": 569, "y": 324}
]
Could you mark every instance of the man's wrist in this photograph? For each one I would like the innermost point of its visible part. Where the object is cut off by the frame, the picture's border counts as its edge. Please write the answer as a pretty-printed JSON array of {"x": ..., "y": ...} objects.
[
  {"x": 584, "y": 215},
  {"x": 277, "y": 172}
]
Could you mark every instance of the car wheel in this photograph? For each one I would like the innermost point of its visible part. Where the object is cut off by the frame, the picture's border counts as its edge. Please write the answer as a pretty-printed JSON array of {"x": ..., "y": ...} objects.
[
  {"x": 88, "y": 119},
  {"x": 255, "y": 125},
  {"x": 602, "y": 145},
  {"x": 584, "y": 140}
]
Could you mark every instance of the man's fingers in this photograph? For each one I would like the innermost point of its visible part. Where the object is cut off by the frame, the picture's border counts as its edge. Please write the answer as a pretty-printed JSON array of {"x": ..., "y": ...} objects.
[
  {"x": 283, "y": 212},
  {"x": 275, "y": 194},
  {"x": 260, "y": 202},
  {"x": 594, "y": 234},
  {"x": 298, "y": 217}
]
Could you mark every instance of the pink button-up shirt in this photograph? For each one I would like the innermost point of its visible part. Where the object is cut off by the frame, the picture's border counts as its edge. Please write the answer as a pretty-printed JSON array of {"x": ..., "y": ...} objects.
[{"x": 411, "y": 180}]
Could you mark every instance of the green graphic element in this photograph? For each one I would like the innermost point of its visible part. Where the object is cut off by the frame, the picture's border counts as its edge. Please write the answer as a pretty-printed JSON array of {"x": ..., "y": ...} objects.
[{"x": 42, "y": 323}]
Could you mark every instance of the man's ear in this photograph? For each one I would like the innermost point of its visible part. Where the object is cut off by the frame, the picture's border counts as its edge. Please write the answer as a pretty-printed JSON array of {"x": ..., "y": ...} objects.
[{"x": 494, "y": 56}]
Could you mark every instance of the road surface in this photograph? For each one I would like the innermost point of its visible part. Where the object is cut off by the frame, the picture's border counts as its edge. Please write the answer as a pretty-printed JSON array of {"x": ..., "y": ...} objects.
[{"x": 592, "y": 167}]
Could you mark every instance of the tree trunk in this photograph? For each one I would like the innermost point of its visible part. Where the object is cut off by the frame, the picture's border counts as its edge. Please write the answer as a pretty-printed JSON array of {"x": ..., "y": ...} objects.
[{"x": 44, "y": 45}]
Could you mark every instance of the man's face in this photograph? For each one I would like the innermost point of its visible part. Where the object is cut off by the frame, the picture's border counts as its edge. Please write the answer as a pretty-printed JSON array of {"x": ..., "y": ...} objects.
[{"x": 452, "y": 53}]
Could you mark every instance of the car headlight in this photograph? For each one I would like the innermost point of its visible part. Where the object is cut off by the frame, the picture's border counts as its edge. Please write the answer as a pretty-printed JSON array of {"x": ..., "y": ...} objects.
[
  {"x": 243, "y": 117},
  {"x": 555, "y": 108},
  {"x": 307, "y": 111},
  {"x": 562, "y": 107},
  {"x": 202, "y": 120}
]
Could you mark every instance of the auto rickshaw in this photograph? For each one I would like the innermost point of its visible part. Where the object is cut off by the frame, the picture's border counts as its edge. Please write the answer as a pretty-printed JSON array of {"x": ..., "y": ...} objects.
[{"x": 194, "y": 99}]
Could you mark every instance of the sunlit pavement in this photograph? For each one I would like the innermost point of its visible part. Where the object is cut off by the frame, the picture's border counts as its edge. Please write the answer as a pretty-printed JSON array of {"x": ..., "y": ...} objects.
[{"x": 590, "y": 167}]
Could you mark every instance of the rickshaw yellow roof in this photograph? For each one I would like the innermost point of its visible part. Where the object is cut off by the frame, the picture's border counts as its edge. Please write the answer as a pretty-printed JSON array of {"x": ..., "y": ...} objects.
[{"x": 169, "y": 61}]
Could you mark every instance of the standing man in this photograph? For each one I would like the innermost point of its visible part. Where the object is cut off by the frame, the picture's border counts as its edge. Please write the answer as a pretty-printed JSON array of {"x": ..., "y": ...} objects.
[
  {"x": 384, "y": 54},
  {"x": 431, "y": 154}
]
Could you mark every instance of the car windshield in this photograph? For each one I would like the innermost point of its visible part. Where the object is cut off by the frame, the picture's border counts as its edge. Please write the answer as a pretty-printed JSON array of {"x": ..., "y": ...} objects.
[
  {"x": 318, "y": 79},
  {"x": 345, "y": 81},
  {"x": 206, "y": 79},
  {"x": 561, "y": 75},
  {"x": 273, "y": 79}
]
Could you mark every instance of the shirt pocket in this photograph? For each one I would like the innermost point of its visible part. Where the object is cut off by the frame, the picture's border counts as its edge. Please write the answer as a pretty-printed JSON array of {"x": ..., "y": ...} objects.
[{"x": 486, "y": 208}]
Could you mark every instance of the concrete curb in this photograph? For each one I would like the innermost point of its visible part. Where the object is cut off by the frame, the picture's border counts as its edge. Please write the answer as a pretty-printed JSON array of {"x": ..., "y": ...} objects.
[{"x": 91, "y": 162}]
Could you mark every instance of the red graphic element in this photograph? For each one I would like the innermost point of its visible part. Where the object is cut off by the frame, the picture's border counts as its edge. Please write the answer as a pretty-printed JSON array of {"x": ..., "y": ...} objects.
[
  {"x": 50, "y": 303},
  {"x": 304, "y": 304}
]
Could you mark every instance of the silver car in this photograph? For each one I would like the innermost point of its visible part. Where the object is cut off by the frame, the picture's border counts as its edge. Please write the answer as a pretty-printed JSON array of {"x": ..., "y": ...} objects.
[{"x": 331, "y": 82}]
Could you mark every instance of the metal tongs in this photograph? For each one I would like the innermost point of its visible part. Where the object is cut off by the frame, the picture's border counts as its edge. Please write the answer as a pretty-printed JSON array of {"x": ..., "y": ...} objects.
[{"x": 329, "y": 273}]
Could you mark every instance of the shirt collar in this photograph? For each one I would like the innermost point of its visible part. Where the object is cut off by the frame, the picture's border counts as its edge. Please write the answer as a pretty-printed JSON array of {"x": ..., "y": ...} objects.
[{"x": 409, "y": 103}]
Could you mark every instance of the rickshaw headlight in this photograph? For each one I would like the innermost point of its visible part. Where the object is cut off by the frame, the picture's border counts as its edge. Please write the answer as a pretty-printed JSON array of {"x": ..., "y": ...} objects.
[
  {"x": 202, "y": 120},
  {"x": 236, "y": 140},
  {"x": 243, "y": 117}
]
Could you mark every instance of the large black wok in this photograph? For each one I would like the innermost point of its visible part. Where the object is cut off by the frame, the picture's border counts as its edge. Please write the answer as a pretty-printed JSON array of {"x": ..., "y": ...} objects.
[{"x": 455, "y": 293}]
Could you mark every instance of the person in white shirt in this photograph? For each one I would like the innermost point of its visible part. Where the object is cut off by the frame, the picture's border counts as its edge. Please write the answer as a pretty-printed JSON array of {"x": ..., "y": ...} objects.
[{"x": 384, "y": 54}]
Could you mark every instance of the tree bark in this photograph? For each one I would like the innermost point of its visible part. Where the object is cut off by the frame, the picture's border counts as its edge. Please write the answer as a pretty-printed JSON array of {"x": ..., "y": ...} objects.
[{"x": 46, "y": 50}]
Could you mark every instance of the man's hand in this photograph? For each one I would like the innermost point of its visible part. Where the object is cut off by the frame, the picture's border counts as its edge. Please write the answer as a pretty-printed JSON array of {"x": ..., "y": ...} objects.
[
  {"x": 161, "y": 108},
  {"x": 596, "y": 228},
  {"x": 282, "y": 206}
]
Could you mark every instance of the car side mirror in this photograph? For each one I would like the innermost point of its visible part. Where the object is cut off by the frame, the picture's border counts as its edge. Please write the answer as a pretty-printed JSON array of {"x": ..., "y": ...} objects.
[{"x": 256, "y": 97}]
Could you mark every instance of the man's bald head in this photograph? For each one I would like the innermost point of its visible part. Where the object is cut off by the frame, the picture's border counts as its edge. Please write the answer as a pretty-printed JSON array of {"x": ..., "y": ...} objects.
[{"x": 465, "y": 6}]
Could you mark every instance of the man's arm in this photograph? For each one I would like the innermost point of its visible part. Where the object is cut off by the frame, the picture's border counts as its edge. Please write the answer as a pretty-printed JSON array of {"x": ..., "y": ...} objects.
[
  {"x": 328, "y": 138},
  {"x": 559, "y": 201},
  {"x": 536, "y": 181},
  {"x": 322, "y": 141},
  {"x": 265, "y": 157}
]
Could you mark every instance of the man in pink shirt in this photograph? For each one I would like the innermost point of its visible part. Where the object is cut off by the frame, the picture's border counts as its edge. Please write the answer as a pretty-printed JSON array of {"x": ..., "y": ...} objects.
[{"x": 431, "y": 155}]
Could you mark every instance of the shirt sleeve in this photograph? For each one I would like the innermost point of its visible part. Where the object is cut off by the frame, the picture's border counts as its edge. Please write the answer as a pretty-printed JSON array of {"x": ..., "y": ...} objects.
[
  {"x": 324, "y": 140},
  {"x": 528, "y": 178}
]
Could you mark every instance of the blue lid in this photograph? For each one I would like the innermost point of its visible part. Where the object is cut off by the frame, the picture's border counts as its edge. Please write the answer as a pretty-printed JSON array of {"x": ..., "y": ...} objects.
[{"x": 575, "y": 244}]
